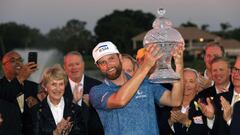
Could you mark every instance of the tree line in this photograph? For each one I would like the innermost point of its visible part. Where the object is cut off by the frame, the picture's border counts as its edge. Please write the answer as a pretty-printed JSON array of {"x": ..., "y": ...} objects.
[{"x": 118, "y": 27}]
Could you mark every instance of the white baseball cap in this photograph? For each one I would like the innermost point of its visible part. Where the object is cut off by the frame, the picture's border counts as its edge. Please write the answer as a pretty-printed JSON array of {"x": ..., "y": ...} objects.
[{"x": 102, "y": 49}]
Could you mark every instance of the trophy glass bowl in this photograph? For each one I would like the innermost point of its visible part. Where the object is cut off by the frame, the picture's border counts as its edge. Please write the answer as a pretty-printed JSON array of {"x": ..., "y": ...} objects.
[{"x": 168, "y": 39}]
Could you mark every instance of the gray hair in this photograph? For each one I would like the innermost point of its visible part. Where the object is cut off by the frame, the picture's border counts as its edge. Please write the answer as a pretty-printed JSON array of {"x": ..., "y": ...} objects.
[
  {"x": 224, "y": 59},
  {"x": 194, "y": 71},
  {"x": 55, "y": 72},
  {"x": 73, "y": 53}
]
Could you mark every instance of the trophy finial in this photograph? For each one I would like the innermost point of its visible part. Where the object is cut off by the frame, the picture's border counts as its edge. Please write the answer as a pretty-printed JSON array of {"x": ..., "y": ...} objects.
[{"x": 161, "y": 12}]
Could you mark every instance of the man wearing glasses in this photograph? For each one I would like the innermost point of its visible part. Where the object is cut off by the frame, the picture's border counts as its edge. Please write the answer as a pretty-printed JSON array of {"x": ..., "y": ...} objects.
[
  {"x": 231, "y": 110},
  {"x": 16, "y": 89}
]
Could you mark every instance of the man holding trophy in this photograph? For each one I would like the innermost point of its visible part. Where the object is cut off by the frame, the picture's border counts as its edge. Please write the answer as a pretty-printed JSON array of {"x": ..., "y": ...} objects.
[{"x": 126, "y": 104}]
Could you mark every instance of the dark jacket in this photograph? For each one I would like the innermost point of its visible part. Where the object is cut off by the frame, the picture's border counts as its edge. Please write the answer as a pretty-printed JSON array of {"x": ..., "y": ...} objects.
[
  {"x": 235, "y": 124},
  {"x": 94, "y": 124},
  {"x": 11, "y": 90},
  {"x": 11, "y": 119},
  {"x": 220, "y": 126},
  {"x": 43, "y": 120}
]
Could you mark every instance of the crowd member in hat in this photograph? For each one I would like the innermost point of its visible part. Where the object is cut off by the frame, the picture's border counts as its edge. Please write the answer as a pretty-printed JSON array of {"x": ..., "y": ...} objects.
[
  {"x": 126, "y": 104},
  {"x": 78, "y": 88},
  {"x": 57, "y": 115}
]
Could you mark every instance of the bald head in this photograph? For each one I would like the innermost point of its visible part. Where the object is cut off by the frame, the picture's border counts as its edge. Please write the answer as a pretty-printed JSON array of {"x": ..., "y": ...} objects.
[{"x": 11, "y": 63}]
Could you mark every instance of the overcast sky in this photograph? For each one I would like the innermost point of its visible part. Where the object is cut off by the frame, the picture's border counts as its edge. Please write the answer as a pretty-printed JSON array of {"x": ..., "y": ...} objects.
[{"x": 48, "y": 14}]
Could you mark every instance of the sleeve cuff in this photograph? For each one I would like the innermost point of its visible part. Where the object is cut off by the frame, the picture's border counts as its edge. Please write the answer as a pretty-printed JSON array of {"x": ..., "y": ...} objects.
[{"x": 229, "y": 122}]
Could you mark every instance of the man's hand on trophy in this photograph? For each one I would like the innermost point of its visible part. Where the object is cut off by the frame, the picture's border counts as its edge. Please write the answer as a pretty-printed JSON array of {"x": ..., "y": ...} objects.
[
  {"x": 152, "y": 54},
  {"x": 177, "y": 54}
]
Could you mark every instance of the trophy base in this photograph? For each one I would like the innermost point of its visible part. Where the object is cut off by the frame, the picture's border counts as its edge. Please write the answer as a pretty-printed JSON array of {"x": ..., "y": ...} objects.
[{"x": 164, "y": 76}]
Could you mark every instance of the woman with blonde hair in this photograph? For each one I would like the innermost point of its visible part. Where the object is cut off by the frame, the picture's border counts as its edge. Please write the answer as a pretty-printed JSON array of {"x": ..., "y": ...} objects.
[{"x": 56, "y": 115}]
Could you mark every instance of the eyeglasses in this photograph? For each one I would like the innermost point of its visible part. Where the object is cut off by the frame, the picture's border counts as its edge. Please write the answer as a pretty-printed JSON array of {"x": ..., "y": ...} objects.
[
  {"x": 236, "y": 70},
  {"x": 14, "y": 60}
]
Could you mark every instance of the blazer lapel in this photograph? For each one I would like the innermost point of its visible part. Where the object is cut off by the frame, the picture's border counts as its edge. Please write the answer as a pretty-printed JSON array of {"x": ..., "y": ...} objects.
[
  {"x": 67, "y": 109},
  {"x": 68, "y": 92},
  {"x": 47, "y": 114}
]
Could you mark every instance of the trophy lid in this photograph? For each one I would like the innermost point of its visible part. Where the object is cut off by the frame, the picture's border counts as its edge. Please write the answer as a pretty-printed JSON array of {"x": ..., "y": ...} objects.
[{"x": 162, "y": 31}]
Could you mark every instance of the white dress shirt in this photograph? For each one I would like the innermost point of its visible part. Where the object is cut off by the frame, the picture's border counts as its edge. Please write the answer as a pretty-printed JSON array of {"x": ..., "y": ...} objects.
[{"x": 57, "y": 110}]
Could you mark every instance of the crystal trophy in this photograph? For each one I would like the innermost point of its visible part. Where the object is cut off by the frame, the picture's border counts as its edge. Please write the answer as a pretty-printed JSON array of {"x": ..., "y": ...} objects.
[{"x": 168, "y": 39}]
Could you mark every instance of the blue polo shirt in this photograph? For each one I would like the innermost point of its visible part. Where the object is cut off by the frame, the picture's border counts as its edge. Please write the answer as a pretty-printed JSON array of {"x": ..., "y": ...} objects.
[{"x": 138, "y": 117}]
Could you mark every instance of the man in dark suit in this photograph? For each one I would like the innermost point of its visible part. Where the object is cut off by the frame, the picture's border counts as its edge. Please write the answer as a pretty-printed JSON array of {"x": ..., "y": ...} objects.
[
  {"x": 10, "y": 124},
  {"x": 211, "y": 51},
  {"x": 205, "y": 109},
  {"x": 235, "y": 124},
  {"x": 15, "y": 87},
  {"x": 231, "y": 107},
  {"x": 74, "y": 67}
]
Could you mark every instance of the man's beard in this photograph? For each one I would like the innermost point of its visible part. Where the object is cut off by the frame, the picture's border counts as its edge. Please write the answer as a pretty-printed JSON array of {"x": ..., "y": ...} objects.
[{"x": 117, "y": 73}]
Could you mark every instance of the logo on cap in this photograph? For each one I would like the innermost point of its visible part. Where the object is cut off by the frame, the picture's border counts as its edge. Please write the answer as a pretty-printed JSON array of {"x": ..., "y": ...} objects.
[{"x": 102, "y": 48}]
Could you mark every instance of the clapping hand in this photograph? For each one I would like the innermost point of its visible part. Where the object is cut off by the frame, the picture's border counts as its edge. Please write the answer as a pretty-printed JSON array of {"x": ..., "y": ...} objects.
[
  {"x": 63, "y": 127},
  {"x": 204, "y": 82},
  {"x": 1, "y": 119},
  {"x": 77, "y": 95},
  {"x": 86, "y": 99},
  {"x": 207, "y": 109},
  {"x": 178, "y": 116},
  {"x": 31, "y": 101},
  {"x": 227, "y": 109}
]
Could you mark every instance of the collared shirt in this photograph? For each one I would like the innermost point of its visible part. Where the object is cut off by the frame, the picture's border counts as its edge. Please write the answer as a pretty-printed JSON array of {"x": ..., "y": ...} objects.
[
  {"x": 20, "y": 99},
  {"x": 57, "y": 110},
  {"x": 138, "y": 117},
  {"x": 73, "y": 84},
  {"x": 184, "y": 109},
  {"x": 225, "y": 90},
  {"x": 235, "y": 94}
]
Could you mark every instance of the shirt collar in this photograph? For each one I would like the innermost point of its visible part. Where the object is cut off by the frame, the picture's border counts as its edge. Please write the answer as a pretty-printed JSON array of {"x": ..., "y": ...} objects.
[
  {"x": 59, "y": 105},
  {"x": 235, "y": 93},
  {"x": 73, "y": 84},
  {"x": 226, "y": 89},
  {"x": 111, "y": 84}
]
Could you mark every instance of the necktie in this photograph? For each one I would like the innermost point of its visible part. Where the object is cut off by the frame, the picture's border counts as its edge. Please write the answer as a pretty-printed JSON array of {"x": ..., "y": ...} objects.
[
  {"x": 20, "y": 100},
  {"x": 236, "y": 98},
  {"x": 76, "y": 88},
  {"x": 77, "y": 93}
]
